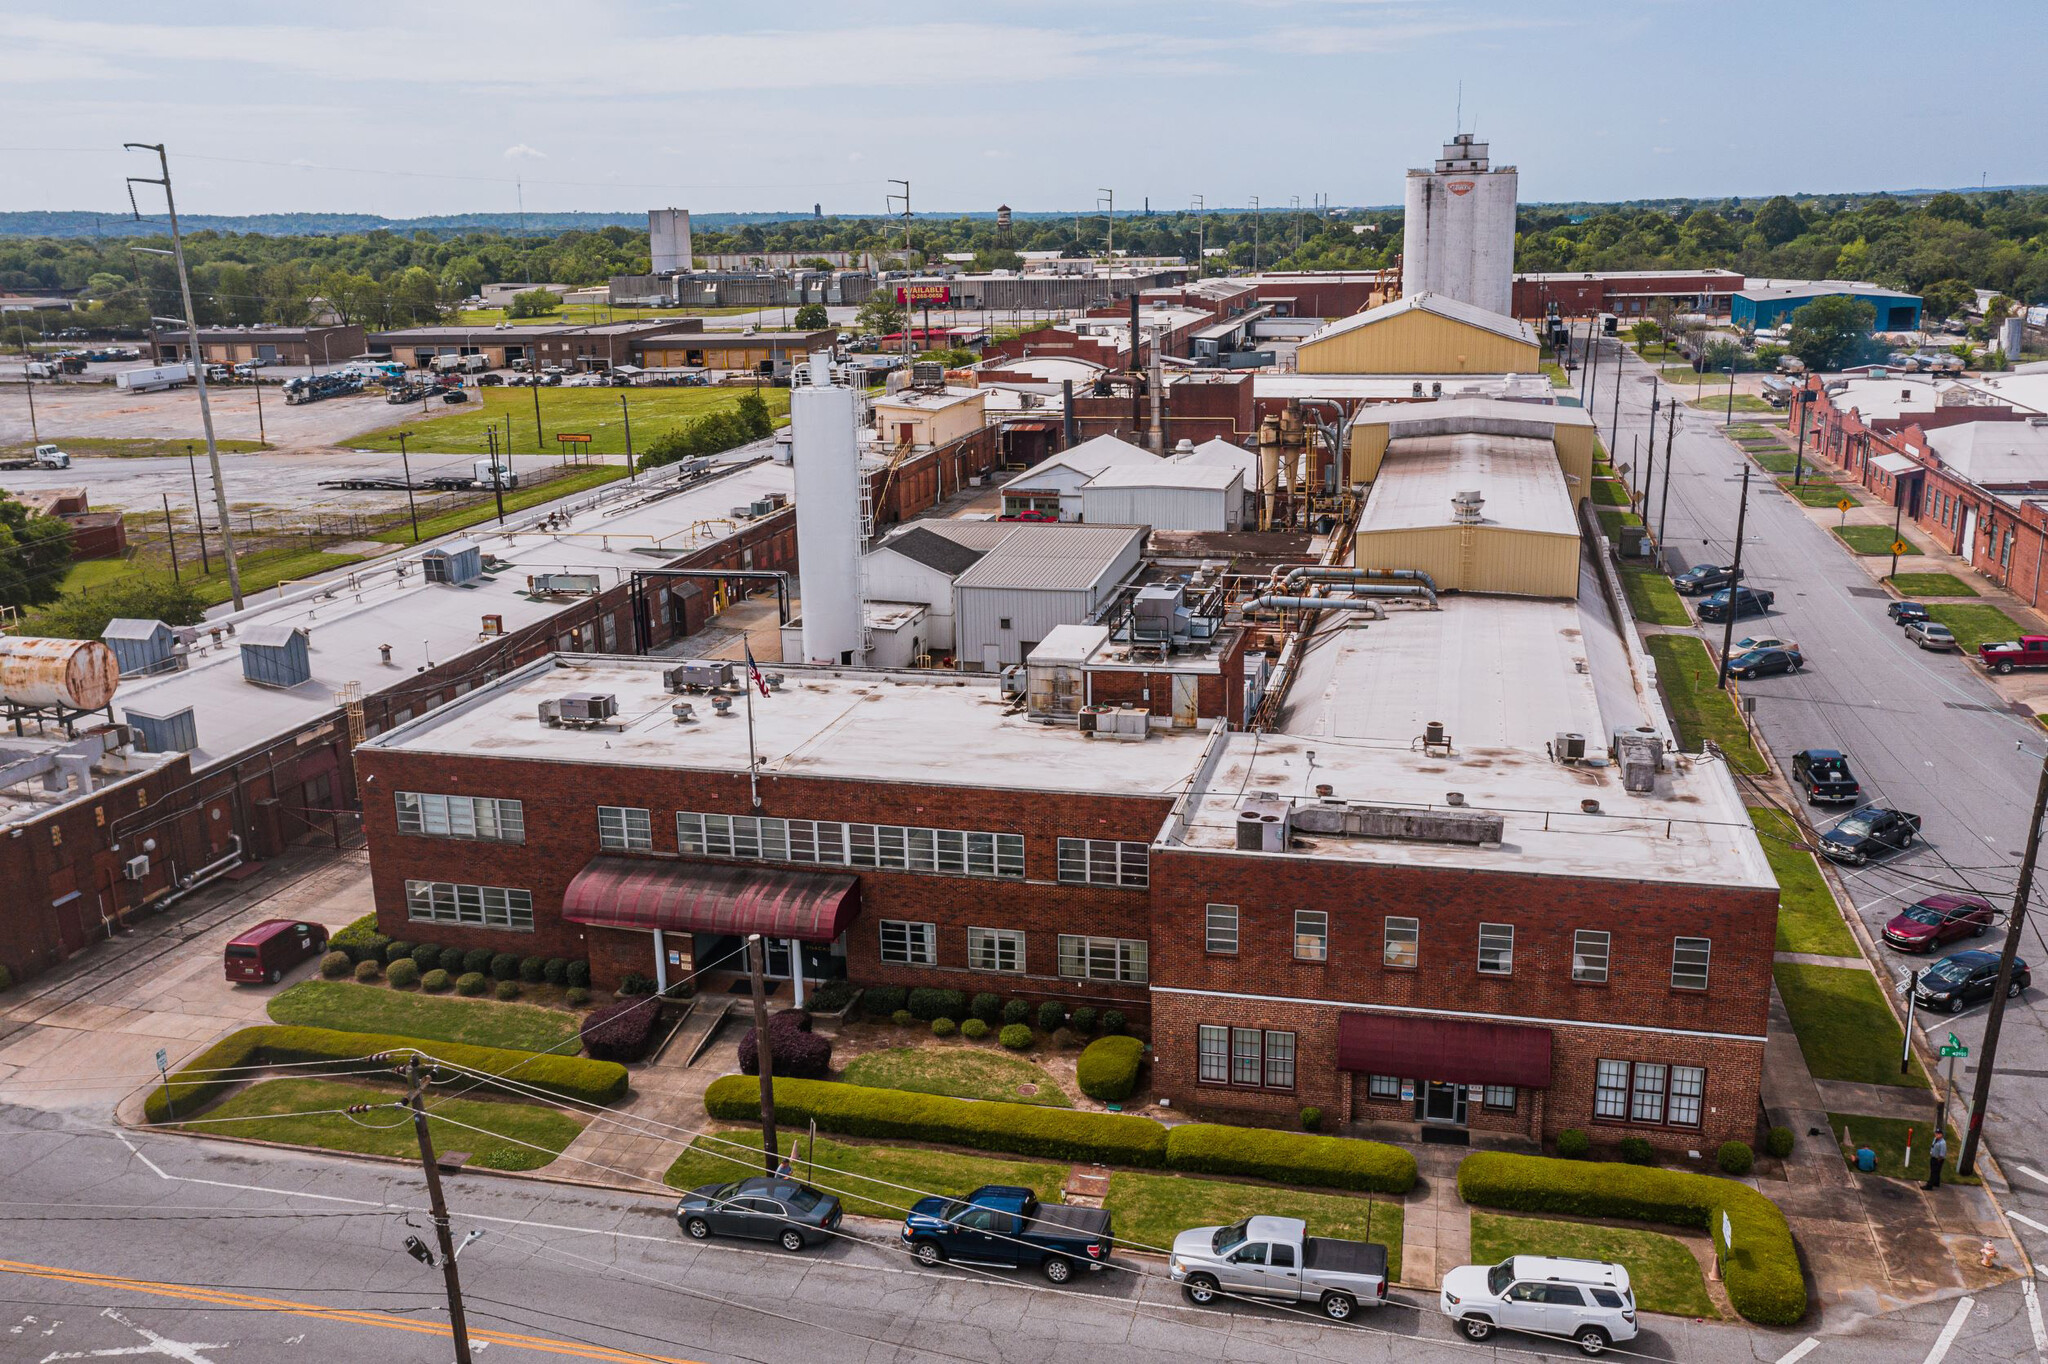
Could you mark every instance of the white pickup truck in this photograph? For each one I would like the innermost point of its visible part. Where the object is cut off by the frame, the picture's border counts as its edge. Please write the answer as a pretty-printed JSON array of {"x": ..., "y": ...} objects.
[{"x": 1274, "y": 1258}]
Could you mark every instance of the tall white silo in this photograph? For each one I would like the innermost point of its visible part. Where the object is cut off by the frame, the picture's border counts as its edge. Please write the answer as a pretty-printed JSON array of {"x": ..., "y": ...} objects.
[
  {"x": 1458, "y": 234},
  {"x": 825, "y": 453}
]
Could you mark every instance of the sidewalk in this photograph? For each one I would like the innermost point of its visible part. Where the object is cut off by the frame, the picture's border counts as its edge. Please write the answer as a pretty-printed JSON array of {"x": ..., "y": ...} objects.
[
  {"x": 1437, "y": 1227},
  {"x": 665, "y": 1094}
]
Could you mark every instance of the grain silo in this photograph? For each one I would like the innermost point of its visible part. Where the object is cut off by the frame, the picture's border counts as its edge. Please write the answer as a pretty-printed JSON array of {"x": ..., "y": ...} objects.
[{"x": 1458, "y": 234}]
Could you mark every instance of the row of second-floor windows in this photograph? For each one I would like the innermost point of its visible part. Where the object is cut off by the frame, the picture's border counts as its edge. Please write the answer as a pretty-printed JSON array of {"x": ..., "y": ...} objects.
[
  {"x": 480, "y": 817},
  {"x": 1124, "y": 961}
]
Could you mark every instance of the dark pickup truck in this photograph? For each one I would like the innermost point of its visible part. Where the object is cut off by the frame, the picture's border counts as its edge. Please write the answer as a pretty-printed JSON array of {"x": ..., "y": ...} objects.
[
  {"x": 1006, "y": 1225},
  {"x": 1823, "y": 775},
  {"x": 1869, "y": 831},
  {"x": 1704, "y": 578}
]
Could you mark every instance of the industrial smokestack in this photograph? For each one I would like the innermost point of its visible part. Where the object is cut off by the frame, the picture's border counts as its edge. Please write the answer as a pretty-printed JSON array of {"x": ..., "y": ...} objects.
[
  {"x": 1137, "y": 371},
  {"x": 1068, "y": 426},
  {"x": 825, "y": 452}
]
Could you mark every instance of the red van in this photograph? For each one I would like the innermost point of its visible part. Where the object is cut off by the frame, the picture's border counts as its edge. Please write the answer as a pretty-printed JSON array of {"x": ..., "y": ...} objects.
[{"x": 272, "y": 948}]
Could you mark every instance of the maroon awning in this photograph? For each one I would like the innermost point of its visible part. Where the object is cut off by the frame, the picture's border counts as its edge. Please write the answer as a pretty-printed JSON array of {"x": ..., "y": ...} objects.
[
  {"x": 695, "y": 897},
  {"x": 1417, "y": 1048}
]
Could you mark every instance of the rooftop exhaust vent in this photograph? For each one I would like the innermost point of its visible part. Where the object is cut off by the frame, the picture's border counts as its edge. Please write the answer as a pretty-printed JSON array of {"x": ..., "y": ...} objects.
[
  {"x": 1465, "y": 507},
  {"x": 1458, "y": 825}
]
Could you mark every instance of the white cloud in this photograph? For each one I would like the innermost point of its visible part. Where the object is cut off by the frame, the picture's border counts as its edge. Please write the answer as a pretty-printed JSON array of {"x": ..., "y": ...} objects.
[
  {"x": 1663, "y": 151},
  {"x": 519, "y": 151}
]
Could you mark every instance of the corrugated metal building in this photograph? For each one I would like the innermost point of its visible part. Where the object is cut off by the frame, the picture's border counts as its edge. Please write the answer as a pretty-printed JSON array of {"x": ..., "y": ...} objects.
[
  {"x": 1421, "y": 334},
  {"x": 1477, "y": 512},
  {"x": 920, "y": 562},
  {"x": 1053, "y": 487},
  {"x": 1167, "y": 495},
  {"x": 1569, "y": 430},
  {"x": 1041, "y": 576}
]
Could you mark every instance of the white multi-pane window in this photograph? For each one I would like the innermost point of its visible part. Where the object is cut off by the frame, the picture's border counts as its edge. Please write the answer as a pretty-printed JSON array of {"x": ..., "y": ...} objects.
[
  {"x": 1252, "y": 1057},
  {"x": 1689, "y": 962},
  {"x": 1610, "y": 1090},
  {"x": 995, "y": 949},
  {"x": 1383, "y": 1086},
  {"x": 1221, "y": 931},
  {"x": 1591, "y": 949},
  {"x": 1212, "y": 1054},
  {"x": 1496, "y": 949},
  {"x": 1311, "y": 935},
  {"x": 1404, "y": 942},
  {"x": 624, "y": 829},
  {"x": 1649, "y": 1092},
  {"x": 1500, "y": 1098},
  {"x": 1104, "y": 862},
  {"x": 910, "y": 944},
  {"x": 887, "y": 847},
  {"x": 445, "y": 902},
  {"x": 480, "y": 817},
  {"x": 1117, "y": 959}
]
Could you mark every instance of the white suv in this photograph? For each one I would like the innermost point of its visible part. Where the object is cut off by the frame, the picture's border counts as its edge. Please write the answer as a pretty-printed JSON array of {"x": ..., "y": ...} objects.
[{"x": 1584, "y": 1301}]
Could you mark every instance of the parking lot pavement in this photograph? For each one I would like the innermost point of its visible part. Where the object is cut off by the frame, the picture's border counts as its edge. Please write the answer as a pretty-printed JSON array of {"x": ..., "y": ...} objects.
[{"x": 85, "y": 410}]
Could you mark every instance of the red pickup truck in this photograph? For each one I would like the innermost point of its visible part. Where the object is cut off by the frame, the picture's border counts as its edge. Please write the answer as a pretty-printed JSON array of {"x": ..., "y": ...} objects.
[{"x": 2028, "y": 651}]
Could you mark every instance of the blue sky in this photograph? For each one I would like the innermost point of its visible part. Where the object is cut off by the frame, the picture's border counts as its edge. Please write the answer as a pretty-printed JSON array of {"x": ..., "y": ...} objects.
[{"x": 718, "y": 106}]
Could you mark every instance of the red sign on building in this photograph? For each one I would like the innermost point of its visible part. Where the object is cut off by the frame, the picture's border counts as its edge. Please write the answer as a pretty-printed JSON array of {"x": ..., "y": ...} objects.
[{"x": 913, "y": 295}]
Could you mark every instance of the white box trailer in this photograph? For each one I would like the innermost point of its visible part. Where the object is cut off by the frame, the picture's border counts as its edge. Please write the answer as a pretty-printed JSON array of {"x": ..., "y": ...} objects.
[{"x": 150, "y": 378}]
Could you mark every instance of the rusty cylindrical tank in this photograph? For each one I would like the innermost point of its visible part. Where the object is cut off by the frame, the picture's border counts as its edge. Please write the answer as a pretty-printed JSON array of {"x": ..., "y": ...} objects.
[{"x": 78, "y": 673}]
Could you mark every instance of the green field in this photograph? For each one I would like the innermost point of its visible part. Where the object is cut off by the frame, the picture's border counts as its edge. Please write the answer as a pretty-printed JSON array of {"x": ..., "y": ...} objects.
[
  {"x": 871, "y": 1181},
  {"x": 511, "y": 1129},
  {"x": 1974, "y": 623},
  {"x": 116, "y": 447},
  {"x": 1149, "y": 1210},
  {"x": 349, "y": 1007},
  {"x": 1556, "y": 374},
  {"x": 1820, "y": 492},
  {"x": 519, "y": 499},
  {"x": 86, "y": 574},
  {"x": 260, "y": 571},
  {"x": 1808, "y": 919},
  {"x": 593, "y": 412},
  {"x": 1701, "y": 710},
  {"x": 1718, "y": 402},
  {"x": 1610, "y": 492},
  {"x": 1652, "y": 597},
  {"x": 1772, "y": 458},
  {"x": 961, "y": 1069},
  {"x": 1846, "y": 1032},
  {"x": 1887, "y": 1137},
  {"x": 1663, "y": 1273},
  {"x": 1930, "y": 585},
  {"x": 1870, "y": 540}
]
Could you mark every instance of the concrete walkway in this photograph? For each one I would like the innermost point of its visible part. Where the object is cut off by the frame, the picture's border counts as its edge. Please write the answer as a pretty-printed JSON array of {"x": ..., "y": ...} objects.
[
  {"x": 663, "y": 1107},
  {"x": 1816, "y": 959},
  {"x": 1436, "y": 1235}
]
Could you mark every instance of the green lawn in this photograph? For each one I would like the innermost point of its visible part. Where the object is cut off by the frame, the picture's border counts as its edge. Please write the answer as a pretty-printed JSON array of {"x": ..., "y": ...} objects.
[
  {"x": 594, "y": 412},
  {"x": 1609, "y": 492},
  {"x": 1931, "y": 585},
  {"x": 1555, "y": 371},
  {"x": 863, "y": 1176},
  {"x": 1681, "y": 374},
  {"x": 1974, "y": 623},
  {"x": 387, "y": 1132},
  {"x": 1612, "y": 521},
  {"x": 519, "y": 499},
  {"x": 1149, "y": 1210},
  {"x": 1886, "y": 1137},
  {"x": 1845, "y": 1030},
  {"x": 124, "y": 447},
  {"x": 960, "y": 1069},
  {"x": 349, "y": 1007},
  {"x": 1652, "y": 597},
  {"x": 260, "y": 571},
  {"x": 1663, "y": 1273},
  {"x": 1772, "y": 459},
  {"x": 87, "y": 574},
  {"x": 1808, "y": 919},
  {"x": 1718, "y": 402},
  {"x": 1701, "y": 710},
  {"x": 1872, "y": 540},
  {"x": 1818, "y": 492}
]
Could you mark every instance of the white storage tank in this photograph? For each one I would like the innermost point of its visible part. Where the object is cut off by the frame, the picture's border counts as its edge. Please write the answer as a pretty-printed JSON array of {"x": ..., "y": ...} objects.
[
  {"x": 1458, "y": 229},
  {"x": 825, "y": 444},
  {"x": 78, "y": 674}
]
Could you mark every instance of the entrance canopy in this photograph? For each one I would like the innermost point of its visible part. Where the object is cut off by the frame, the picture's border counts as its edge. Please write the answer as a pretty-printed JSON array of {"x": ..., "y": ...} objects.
[
  {"x": 1415, "y": 1048},
  {"x": 691, "y": 897}
]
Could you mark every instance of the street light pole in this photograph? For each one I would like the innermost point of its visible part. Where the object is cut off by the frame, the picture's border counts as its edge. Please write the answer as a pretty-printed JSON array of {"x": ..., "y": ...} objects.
[
  {"x": 1614, "y": 429},
  {"x": 198, "y": 511},
  {"x": 1664, "y": 500},
  {"x": 410, "y": 505},
  {"x": 1734, "y": 581},
  {"x": 1730, "y": 417},
  {"x": 626, "y": 415}
]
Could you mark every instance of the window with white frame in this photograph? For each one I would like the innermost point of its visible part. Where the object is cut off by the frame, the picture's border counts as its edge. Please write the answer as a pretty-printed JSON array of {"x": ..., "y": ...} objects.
[
  {"x": 1383, "y": 1086},
  {"x": 995, "y": 949},
  {"x": 624, "y": 829},
  {"x": 1649, "y": 1092},
  {"x": 1311, "y": 935},
  {"x": 1590, "y": 951},
  {"x": 1404, "y": 942},
  {"x": 1689, "y": 962},
  {"x": 910, "y": 944},
  {"x": 1117, "y": 959},
  {"x": 1250, "y": 1058},
  {"x": 1610, "y": 1090},
  {"x": 478, "y": 817},
  {"x": 1220, "y": 934},
  {"x": 1496, "y": 949},
  {"x": 1500, "y": 1098},
  {"x": 1104, "y": 862},
  {"x": 448, "y": 902},
  {"x": 1212, "y": 1054},
  {"x": 888, "y": 847}
]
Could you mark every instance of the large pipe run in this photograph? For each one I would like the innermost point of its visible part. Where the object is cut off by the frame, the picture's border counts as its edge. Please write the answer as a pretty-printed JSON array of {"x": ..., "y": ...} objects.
[
  {"x": 1323, "y": 603},
  {"x": 1353, "y": 575}
]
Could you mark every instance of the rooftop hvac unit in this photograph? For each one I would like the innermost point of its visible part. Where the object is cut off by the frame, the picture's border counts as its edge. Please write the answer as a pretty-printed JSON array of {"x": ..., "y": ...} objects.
[
  {"x": 1641, "y": 756},
  {"x": 459, "y": 561},
  {"x": 276, "y": 655},
  {"x": 1456, "y": 825},
  {"x": 588, "y": 707},
  {"x": 1263, "y": 825},
  {"x": 135, "y": 868},
  {"x": 766, "y": 506},
  {"x": 1569, "y": 748},
  {"x": 172, "y": 732},
  {"x": 701, "y": 673},
  {"x": 1154, "y": 609},
  {"x": 1091, "y": 717},
  {"x": 564, "y": 584},
  {"x": 928, "y": 374},
  {"x": 1465, "y": 506},
  {"x": 1128, "y": 723}
]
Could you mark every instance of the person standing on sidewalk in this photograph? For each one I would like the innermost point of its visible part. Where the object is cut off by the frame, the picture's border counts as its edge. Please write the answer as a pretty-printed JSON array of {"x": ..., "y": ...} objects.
[{"x": 1937, "y": 1152}]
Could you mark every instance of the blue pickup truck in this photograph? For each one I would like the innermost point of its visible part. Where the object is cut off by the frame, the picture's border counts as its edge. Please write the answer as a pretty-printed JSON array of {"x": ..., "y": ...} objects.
[{"x": 1006, "y": 1226}]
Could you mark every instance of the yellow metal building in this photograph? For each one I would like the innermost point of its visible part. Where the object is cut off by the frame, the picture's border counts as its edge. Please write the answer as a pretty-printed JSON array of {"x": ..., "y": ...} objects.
[
  {"x": 1477, "y": 512},
  {"x": 1569, "y": 430},
  {"x": 1421, "y": 334}
]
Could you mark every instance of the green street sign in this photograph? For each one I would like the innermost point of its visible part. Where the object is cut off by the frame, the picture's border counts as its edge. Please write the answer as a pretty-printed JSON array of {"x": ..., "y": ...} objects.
[
  {"x": 1947, "y": 1052},
  {"x": 1955, "y": 1041}
]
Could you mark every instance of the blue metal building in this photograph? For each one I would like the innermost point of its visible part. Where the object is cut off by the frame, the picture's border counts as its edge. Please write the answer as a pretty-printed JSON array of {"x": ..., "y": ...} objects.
[{"x": 1752, "y": 309}]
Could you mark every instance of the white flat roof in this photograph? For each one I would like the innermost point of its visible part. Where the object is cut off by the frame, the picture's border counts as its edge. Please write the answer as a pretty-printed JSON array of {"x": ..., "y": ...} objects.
[
  {"x": 1884, "y": 399},
  {"x": 1995, "y": 454},
  {"x": 1518, "y": 476},
  {"x": 2027, "y": 390},
  {"x": 930, "y": 402},
  {"x": 943, "y": 729},
  {"x": 1167, "y": 473}
]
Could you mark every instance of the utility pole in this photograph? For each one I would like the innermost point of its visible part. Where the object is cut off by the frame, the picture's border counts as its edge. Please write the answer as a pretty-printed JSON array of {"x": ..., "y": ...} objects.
[
  {"x": 171, "y": 534},
  {"x": 220, "y": 491},
  {"x": 905, "y": 197},
  {"x": 457, "y": 1323},
  {"x": 1592, "y": 369},
  {"x": 1614, "y": 429},
  {"x": 411, "y": 505},
  {"x": 1109, "y": 215},
  {"x": 1734, "y": 582},
  {"x": 256, "y": 378},
  {"x": 497, "y": 483},
  {"x": 28, "y": 384},
  {"x": 1650, "y": 458},
  {"x": 1804, "y": 398},
  {"x": 1664, "y": 502},
  {"x": 1981, "y": 1096},
  {"x": 539, "y": 446},
  {"x": 626, "y": 415},
  {"x": 1255, "y": 232},
  {"x": 1730, "y": 417},
  {"x": 198, "y": 511},
  {"x": 1898, "y": 520},
  {"x": 764, "y": 1051}
]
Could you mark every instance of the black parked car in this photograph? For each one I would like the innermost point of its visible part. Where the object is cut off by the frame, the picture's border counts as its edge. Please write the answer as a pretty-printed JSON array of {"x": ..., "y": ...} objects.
[
  {"x": 1962, "y": 978},
  {"x": 1824, "y": 775},
  {"x": 1869, "y": 831},
  {"x": 1704, "y": 578},
  {"x": 1744, "y": 601},
  {"x": 1903, "y": 611},
  {"x": 1765, "y": 662},
  {"x": 790, "y": 1214}
]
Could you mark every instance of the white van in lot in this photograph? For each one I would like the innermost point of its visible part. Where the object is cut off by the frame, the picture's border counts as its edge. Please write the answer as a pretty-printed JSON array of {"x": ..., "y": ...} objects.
[{"x": 1584, "y": 1301}]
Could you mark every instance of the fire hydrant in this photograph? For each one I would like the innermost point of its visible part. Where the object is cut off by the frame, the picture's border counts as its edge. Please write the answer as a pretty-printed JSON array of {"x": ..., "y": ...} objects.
[{"x": 1988, "y": 1256}]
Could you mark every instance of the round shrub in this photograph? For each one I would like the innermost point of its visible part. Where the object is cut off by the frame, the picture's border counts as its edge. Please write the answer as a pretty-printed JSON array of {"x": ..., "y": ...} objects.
[
  {"x": 1015, "y": 1036},
  {"x": 403, "y": 973},
  {"x": 791, "y": 1020},
  {"x": 1051, "y": 1014},
  {"x": 335, "y": 965},
  {"x": 555, "y": 970},
  {"x": 504, "y": 966},
  {"x": 974, "y": 1029},
  {"x": 476, "y": 960},
  {"x": 395, "y": 949},
  {"x": 367, "y": 971},
  {"x": 1112, "y": 1022},
  {"x": 903, "y": 1018},
  {"x": 1574, "y": 1144},
  {"x": 620, "y": 1031},
  {"x": 532, "y": 969},
  {"x": 633, "y": 983},
  {"x": 1066, "y": 1039},
  {"x": 576, "y": 996},
  {"x": 1083, "y": 1021},
  {"x": 361, "y": 940},
  {"x": 926, "y": 1004},
  {"x": 1108, "y": 1068},
  {"x": 436, "y": 981},
  {"x": 470, "y": 983},
  {"x": 1735, "y": 1158},
  {"x": 832, "y": 996},
  {"x": 1638, "y": 1151},
  {"x": 579, "y": 974},
  {"x": 507, "y": 989},
  {"x": 1311, "y": 1119},
  {"x": 799, "y": 1055},
  {"x": 986, "y": 1007},
  {"x": 944, "y": 1027},
  {"x": 426, "y": 956},
  {"x": 880, "y": 1001},
  {"x": 1778, "y": 1141},
  {"x": 1017, "y": 1011}
]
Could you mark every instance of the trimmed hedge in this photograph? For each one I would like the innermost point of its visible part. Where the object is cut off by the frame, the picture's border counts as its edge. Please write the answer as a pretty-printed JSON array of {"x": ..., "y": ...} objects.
[
  {"x": 1735, "y": 1158},
  {"x": 1108, "y": 1068},
  {"x": 1022, "y": 1129},
  {"x": 928, "y": 1005},
  {"x": 880, "y": 1001},
  {"x": 799, "y": 1053},
  {"x": 1112, "y": 1022},
  {"x": 470, "y": 983},
  {"x": 576, "y": 996},
  {"x": 620, "y": 1032},
  {"x": 1015, "y": 1036},
  {"x": 475, "y": 962},
  {"x": 533, "y": 970},
  {"x": 403, "y": 973},
  {"x": 987, "y": 1006},
  {"x": 1083, "y": 1020},
  {"x": 335, "y": 965},
  {"x": 1052, "y": 1015},
  {"x": 504, "y": 966},
  {"x": 1574, "y": 1144},
  {"x": 361, "y": 940},
  {"x": 201, "y": 1080},
  {"x": 944, "y": 1027},
  {"x": 555, "y": 970},
  {"x": 398, "y": 948},
  {"x": 436, "y": 982},
  {"x": 1778, "y": 1141},
  {"x": 1290, "y": 1157},
  {"x": 974, "y": 1029},
  {"x": 1761, "y": 1270}
]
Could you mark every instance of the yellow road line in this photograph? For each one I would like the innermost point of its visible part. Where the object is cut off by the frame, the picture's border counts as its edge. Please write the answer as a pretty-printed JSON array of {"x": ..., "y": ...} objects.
[{"x": 348, "y": 1315}]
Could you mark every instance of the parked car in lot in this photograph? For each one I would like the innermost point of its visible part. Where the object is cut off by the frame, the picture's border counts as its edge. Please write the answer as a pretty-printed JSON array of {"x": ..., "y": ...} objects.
[
  {"x": 1743, "y": 601},
  {"x": 1586, "y": 1302},
  {"x": 1869, "y": 831},
  {"x": 1937, "y": 920},
  {"x": 1751, "y": 643},
  {"x": 1930, "y": 634},
  {"x": 2028, "y": 651},
  {"x": 1961, "y": 979},
  {"x": 1766, "y": 662},
  {"x": 1006, "y": 1225},
  {"x": 1823, "y": 775},
  {"x": 790, "y": 1214},
  {"x": 273, "y": 947},
  {"x": 1704, "y": 578},
  {"x": 1274, "y": 1258},
  {"x": 1903, "y": 611}
]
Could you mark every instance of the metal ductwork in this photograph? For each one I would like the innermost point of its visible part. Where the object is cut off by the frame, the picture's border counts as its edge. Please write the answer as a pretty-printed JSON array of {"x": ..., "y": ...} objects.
[
  {"x": 1323, "y": 604},
  {"x": 1356, "y": 575}
]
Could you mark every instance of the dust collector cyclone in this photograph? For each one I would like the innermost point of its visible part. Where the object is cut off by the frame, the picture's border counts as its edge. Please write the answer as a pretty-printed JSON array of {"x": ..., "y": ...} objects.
[{"x": 77, "y": 674}]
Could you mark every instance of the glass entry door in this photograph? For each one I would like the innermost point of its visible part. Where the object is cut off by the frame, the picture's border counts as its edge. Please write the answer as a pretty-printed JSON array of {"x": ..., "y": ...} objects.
[{"x": 1440, "y": 1102}]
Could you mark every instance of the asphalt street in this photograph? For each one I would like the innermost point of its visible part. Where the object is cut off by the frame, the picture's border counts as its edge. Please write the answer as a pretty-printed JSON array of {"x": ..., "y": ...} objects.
[
  {"x": 1924, "y": 732},
  {"x": 118, "y": 1243}
]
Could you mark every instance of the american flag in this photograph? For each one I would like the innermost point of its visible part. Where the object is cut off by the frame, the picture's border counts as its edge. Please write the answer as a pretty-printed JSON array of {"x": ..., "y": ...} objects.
[{"x": 753, "y": 669}]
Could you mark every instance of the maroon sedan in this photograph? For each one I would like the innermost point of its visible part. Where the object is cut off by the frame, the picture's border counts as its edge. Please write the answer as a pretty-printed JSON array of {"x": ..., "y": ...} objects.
[{"x": 1937, "y": 921}]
